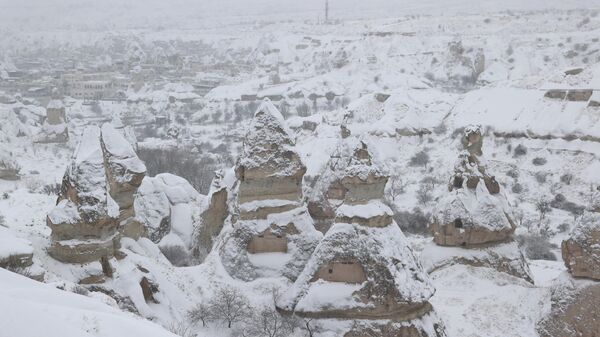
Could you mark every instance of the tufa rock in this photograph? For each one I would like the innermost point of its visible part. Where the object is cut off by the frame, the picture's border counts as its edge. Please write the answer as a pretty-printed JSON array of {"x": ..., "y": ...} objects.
[
  {"x": 581, "y": 251},
  {"x": 86, "y": 221}
]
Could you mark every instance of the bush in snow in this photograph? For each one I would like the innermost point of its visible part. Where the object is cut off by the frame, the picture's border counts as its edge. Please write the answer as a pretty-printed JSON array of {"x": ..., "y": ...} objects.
[
  {"x": 566, "y": 178},
  {"x": 513, "y": 173},
  {"x": 539, "y": 161},
  {"x": 2, "y": 221},
  {"x": 536, "y": 247},
  {"x": 396, "y": 186},
  {"x": 269, "y": 323},
  {"x": 563, "y": 227},
  {"x": 520, "y": 150},
  {"x": 228, "y": 305},
  {"x": 420, "y": 159},
  {"x": 424, "y": 194},
  {"x": 51, "y": 189},
  {"x": 543, "y": 207},
  {"x": 541, "y": 177},
  {"x": 517, "y": 188},
  {"x": 430, "y": 182},
  {"x": 181, "y": 329},
  {"x": 415, "y": 222},
  {"x": 303, "y": 110}
]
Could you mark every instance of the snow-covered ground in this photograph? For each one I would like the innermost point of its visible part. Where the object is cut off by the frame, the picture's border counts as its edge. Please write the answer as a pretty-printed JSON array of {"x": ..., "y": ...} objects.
[{"x": 405, "y": 77}]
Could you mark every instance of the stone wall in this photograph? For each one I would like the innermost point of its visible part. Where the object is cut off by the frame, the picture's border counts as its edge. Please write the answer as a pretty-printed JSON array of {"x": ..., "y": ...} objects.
[{"x": 341, "y": 271}]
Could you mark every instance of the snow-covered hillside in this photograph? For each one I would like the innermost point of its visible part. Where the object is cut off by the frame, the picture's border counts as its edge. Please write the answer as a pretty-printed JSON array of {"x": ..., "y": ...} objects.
[{"x": 250, "y": 154}]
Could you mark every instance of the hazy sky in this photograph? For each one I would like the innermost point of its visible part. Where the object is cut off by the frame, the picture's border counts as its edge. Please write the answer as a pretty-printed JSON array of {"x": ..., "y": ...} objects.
[{"x": 100, "y": 14}]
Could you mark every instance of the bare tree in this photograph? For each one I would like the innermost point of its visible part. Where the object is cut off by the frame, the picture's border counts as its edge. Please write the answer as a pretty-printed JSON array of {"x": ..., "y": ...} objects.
[
  {"x": 543, "y": 207},
  {"x": 424, "y": 194},
  {"x": 180, "y": 329},
  {"x": 201, "y": 313},
  {"x": 269, "y": 323},
  {"x": 230, "y": 305},
  {"x": 397, "y": 187}
]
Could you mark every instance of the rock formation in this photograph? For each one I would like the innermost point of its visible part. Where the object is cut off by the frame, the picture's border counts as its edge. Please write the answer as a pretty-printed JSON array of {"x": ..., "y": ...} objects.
[
  {"x": 475, "y": 215},
  {"x": 581, "y": 251},
  {"x": 364, "y": 269},
  {"x": 271, "y": 220},
  {"x": 166, "y": 205},
  {"x": 96, "y": 197},
  {"x": 574, "y": 309},
  {"x": 213, "y": 218},
  {"x": 54, "y": 129},
  {"x": 474, "y": 212},
  {"x": 350, "y": 178}
]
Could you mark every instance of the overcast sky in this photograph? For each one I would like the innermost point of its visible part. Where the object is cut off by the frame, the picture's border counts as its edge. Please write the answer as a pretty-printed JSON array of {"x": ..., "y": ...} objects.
[{"x": 99, "y": 14}]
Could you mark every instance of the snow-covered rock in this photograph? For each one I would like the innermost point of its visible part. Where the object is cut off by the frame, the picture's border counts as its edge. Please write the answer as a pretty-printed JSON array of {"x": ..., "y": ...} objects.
[
  {"x": 581, "y": 251},
  {"x": 96, "y": 198}
]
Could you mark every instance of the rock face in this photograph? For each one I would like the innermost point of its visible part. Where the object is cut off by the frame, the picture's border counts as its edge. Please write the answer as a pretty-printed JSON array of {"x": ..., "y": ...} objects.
[
  {"x": 86, "y": 220},
  {"x": 575, "y": 310},
  {"x": 581, "y": 251},
  {"x": 364, "y": 264},
  {"x": 474, "y": 212},
  {"x": 167, "y": 205},
  {"x": 351, "y": 178},
  {"x": 213, "y": 219},
  {"x": 270, "y": 218}
]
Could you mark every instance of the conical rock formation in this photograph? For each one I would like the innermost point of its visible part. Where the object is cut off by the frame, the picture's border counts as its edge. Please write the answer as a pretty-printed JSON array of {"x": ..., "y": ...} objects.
[{"x": 271, "y": 233}]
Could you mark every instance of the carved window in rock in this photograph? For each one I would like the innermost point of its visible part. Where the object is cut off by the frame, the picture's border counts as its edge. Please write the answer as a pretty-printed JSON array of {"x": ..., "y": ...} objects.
[
  {"x": 342, "y": 271},
  {"x": 268, "y": 242}
]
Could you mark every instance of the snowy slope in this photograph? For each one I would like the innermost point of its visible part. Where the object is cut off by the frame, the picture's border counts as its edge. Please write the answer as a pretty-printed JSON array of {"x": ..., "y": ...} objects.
[{"x": 37, "y": 309}]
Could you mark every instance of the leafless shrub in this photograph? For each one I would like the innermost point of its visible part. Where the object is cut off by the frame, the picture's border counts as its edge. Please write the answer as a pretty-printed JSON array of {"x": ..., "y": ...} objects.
[
  {"x": 415, "y": 222},
  {"x": 51, "y": 189},
  {"x": 517, "y": 188},
  {"x": 520, "y": 150},
  {"x": 540, "y": 177},
  {"x": 269, "y": 323},
  {"x": 420, "y": 159},
  {"x": 536, "y": 247},
  {"x": 543, "y": 207},
  {"x": 424, "y": 194},
  {"x": 230, "y": 306},
  {"x": 539, "y": 161},
  {"x": 181, "y": 329},
  {"x": 201, "y": 313},
  {"x": 197, "y": 169},
  {"x": 397, "y": 186}
]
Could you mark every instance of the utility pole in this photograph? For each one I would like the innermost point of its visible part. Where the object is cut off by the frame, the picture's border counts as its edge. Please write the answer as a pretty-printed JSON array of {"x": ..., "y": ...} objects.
[{"x": 326, "y": 11}]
